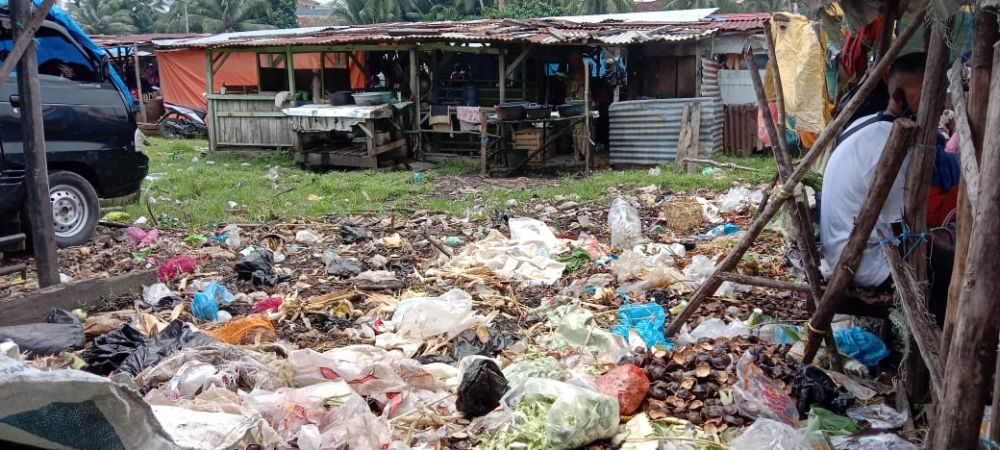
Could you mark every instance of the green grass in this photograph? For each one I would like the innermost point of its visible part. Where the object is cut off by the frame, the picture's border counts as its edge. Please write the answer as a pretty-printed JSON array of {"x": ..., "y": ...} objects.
[{"x": 193, "y": 188}]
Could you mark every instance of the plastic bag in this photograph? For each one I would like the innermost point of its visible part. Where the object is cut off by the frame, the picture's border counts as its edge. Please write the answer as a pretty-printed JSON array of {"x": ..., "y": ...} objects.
[
  {"x": 139, "y": 238},
  {"x": 154, "y": 294},
  {"x": 814, "y": 387},
  {"x": 577, "y": 416},
  {"x": 351, "y": 232},
  {"x": 60, "y": 332},
  {"x": 129, "y": 351},
  {"x": 646, "y": 319},
  {"x": 481, "y": 341},
  {"x": 626, "y": 228},
  {"x": 712, "y": 329},
  {"x": 205, "y": 305},
  {"x": 831, "y": 423},
  {"x": 267, "y": 305},
  {"x": 861, "y": 345},
  {"x": 482, "y": 387},
  {"x": 343, "y": 267},
  {"x": 176, "y": 266},
  {"x": 885, "y": 441},
  {"x": 767, "y": 434},
  {"x": 879, "y": 417},
  {"x": 231, "y": 235},
  {"x": 576, "y": 329},
  {"x": 424, "y": 317},
  {"x": 308, "y": 237},
  {"x": 256, "y": 267},
  {"x": 757, "y": 396},
  {"x": 627, "y": 383},
  {"x": 546, "y": 367},
  {"x": 192, "y": 378},
  {"x": 524, "y": 230},
  {"x": 739, "y": 199}
]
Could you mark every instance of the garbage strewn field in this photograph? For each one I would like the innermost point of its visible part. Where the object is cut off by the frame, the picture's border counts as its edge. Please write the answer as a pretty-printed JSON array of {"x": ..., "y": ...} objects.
[{"x": 537, "y": 326}]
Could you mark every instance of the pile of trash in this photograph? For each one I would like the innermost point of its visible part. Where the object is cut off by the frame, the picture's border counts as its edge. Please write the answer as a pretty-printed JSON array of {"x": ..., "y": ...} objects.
[{"x": 540, "y": 328}]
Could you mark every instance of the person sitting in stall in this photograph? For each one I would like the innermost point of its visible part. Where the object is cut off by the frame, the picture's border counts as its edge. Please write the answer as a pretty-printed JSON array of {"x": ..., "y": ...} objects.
[{"x": 847, "y": 178}]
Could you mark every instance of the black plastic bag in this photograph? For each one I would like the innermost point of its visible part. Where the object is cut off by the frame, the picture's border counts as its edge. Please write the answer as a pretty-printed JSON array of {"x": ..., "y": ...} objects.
[
  {"x": 431, "y": 359},
  {"x": 128, "y": 350},
  {"x": 467, "y": 343},
  {"x": 351, "y": 232},
  {"x": 60, "y": 332},
  {"x": 482, "y": 387},
  {"x": 256, "y": 267},
  {"x": 343, "y": 267},
  {"x": 814, "y": 386}
]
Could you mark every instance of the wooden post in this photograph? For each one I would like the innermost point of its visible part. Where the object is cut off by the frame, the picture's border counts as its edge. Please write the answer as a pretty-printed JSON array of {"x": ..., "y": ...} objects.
[
  {"x": 986, "y": 34},
  {"x": 802, "y": 221},
  {"x": 290, "y": 66},
  {"x": 886, "y": 170},
  {"x": 888, "y": 24},
  {"x": 973, "y": 347},
  {"x": 828, "y": 135},
  {"x": 209, "y": 90},
  {"x": 138, "y": 82},
  {"x": 694, "y": 146},
  {"x": 923, "y": 331},
  {"x": 36, "y": 174},
  {"x": 586, "y": 115},
  {"x": 484, "y": 140},
  {"x": 684, "y": 139},
  {"x": 415, "y": 96},
  {"x": 970, "y": 166},
  {"x": 779, "y": 92},
  {"x": 995, "y": 414},
  {"x": 502, "y": 65}
]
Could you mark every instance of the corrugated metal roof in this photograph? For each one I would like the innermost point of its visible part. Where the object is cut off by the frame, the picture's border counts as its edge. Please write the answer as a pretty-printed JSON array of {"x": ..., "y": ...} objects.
[
  {"x": 538, "y": 31},
  {"x": 139, "y": 39},
  {"x": 673, "y": 16}
]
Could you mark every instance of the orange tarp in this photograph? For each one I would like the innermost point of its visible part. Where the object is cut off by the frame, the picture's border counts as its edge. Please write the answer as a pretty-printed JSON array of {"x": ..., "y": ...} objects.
[{"x": 182, "y": 73}]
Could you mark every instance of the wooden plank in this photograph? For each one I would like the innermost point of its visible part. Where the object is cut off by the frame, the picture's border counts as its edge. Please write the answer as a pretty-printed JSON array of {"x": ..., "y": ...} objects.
[
  {"x": 779, "y": 91},
  {"x": 517, "y": 61},
  {"x": 32, "y": 26},
  {"x": 483, "y": 143},
  {"x": 926, "y": 336},
  {"x": 501, "y": 66},
  {"x": 787, "y": 189},
  {"x": 970, "y": 167},
  {"x": 36, "y": 174},
  {"x": 32, "y": 307},
  {"x": 889, "y": 164},
  {"x": 586, "y": 114},
  {"x": 973, "y": 347},
  {"x": 251, "y": 114},
  {"x": 684, "y": 139},
  {"x": 138, "y": 82},
  {"x": 695, "y": 144}
]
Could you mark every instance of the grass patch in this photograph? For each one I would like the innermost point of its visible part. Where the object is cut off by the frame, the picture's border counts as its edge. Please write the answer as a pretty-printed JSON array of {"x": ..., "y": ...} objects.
[{"x": 191, "y": 188}]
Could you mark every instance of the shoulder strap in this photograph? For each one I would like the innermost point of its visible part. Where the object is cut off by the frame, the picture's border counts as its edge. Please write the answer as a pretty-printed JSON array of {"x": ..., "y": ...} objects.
[{"x": 880, "y": 117}]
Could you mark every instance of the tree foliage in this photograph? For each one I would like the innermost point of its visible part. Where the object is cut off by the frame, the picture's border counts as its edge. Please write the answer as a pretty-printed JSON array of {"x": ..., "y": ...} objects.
[
  {"x": 282, "y": 14},
  {"x": 103, "y": 16},
  {"x": 525, "y": 9}
]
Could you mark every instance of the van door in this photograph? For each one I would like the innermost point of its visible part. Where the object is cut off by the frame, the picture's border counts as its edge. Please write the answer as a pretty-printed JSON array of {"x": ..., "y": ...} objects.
[{"x": 81, "y": 112}]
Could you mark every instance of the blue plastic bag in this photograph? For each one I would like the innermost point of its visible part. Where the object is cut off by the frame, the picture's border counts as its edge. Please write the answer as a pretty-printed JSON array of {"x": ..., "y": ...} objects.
[
  {"x": 647, "y": 319},
  {"x": 861, "y": 345},
  {"x": 206, "y": 302}
]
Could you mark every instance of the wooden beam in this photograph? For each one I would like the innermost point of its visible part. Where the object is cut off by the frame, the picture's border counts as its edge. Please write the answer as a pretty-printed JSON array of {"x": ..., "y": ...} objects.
[
  {"x": 32, "y": 307},
  {"x": 501, "y": 65},
  {"x": 586, "y": 114},
  {"x": 973, "y": 347},
  {"x": 779, "y": 92},
  {"x": 987, "y": 33},
  {"x": 36, "y": 179},
  {"x": 415, "y": 94},
  {"x": 684, "y": 138},
  {"x": 923, "y": 331},
  {"x": 484, "y": 141},
  {"x": 138, "y": 82},
  {"x": 29, "y": 30},
  {"x": 970, "y": 167},
  {"x": 764, "y": 282},
  {"x": 889, "y": 164},
  {"x": 695, "y": 145},
  {"x": 787, "y": 189},
  {"x": 888, "y": 26},
  {"x": 209, "y": 91},
  {"x": 290, "y": 67},
  {"x": 219, "y": 60},
  {"x": 517, "y": 61}
]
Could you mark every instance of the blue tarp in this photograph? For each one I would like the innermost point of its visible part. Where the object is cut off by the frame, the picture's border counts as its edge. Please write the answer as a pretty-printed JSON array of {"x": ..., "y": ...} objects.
[{"x": 62, "y": 18}]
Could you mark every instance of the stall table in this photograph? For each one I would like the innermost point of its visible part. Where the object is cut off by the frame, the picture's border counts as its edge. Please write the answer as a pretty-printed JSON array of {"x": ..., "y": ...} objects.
[{"x": 315, "y": 125}]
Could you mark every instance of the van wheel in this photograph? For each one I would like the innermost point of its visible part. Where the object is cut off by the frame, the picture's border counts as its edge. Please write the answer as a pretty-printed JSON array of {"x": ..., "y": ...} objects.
[{"x": 75, "y": 210}]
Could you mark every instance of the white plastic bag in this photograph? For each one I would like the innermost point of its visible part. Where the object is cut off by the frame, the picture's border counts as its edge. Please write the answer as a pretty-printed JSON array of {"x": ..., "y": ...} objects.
[
  {"x": 192, "y": 378},
  {"x": 577, "y": 415},
  {"x": 308, "y": 237},
  {"x": 424, "y": 317},
  {"x": 232, "y": 234},
  {"x": 714, "y": 328},
  {"x": 626, "y": 227},
  {"x": 576, "y": 329},
  {"x": 154, "y": 293},
  {"x": 739, "y": 199},
  {"x": 885, "y": 441},
  {"x": 766, "y": 434},
  {"x": 524, "y": 230}
]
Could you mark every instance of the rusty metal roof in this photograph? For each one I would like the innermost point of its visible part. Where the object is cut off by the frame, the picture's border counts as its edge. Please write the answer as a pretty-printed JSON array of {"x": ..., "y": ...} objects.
[
  {"x": 139, "y": 39},
  {"x": 551, "y": 31}
]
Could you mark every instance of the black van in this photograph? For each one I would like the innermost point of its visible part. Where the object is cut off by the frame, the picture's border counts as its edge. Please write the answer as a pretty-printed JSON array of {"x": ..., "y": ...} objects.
[{"x": 91, "y": 140}]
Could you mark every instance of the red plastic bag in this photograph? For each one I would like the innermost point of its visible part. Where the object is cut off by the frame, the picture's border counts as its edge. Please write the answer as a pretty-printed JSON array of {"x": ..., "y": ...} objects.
[
  {"x": 268, "y": 304},
  {"x": 757, "y": 396},
  {"x": 628, "y": 384},
  {"x": 176, "y": 266}
]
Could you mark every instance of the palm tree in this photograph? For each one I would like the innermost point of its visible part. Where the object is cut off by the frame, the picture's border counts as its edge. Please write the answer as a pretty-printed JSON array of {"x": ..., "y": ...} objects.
[
  {"x": 102, "y": 16},
  {"x": 723, "y": 5},
  {"x": 598, "y": 6},
  {"x": 222, "y": 16},
  {"x": 349, "y": 12}
]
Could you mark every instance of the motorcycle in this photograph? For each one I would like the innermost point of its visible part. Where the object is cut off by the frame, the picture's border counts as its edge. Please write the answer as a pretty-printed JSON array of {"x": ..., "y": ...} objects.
[{"x": 182, "y": 122}]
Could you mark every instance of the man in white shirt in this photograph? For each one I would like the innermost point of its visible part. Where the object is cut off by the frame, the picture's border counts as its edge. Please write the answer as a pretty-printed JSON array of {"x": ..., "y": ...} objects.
[{"x": 852, "y": 166}]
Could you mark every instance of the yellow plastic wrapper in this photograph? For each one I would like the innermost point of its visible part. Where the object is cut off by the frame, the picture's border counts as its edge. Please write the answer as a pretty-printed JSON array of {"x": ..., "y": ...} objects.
[{"x": 801, "y": 56}]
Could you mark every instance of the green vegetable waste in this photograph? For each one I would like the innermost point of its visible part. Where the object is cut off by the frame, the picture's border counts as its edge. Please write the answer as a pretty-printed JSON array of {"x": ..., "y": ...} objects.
[{"x": 576, "y": 260}]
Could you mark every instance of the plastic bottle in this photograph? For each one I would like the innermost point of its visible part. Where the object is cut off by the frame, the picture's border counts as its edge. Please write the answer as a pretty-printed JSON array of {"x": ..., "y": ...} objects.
[
  {"x": 626, "y": 228},
  {"x": 755, "y": 317}
]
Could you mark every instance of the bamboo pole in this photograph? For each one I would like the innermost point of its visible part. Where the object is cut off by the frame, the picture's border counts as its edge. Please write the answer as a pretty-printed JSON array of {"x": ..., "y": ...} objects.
[
  {"x": 972, "y": 350},
  {"x": 764, "y": 282},
  {"x": 987, "y": 33},
  {"x": 889, "y": 164},
  {"x": 785, "y": 192},
  {"x": 779, "y": 92}
]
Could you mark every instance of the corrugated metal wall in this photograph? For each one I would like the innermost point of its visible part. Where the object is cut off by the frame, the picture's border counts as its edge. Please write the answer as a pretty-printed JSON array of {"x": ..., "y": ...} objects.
[
  {"x": 710, "y": 78},
  {"x": 740, "y": 131},
  {"x": 737, "y": 87},
  {"x": 645, "y": 132}
]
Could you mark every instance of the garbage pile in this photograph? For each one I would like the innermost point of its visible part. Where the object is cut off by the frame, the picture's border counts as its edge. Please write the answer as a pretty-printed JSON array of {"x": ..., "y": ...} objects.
[{"x": 540, "y": 328}]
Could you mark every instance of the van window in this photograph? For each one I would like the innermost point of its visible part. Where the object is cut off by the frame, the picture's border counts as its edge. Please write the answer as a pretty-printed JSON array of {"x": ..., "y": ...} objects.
[{"x": 57, "y": 55}]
